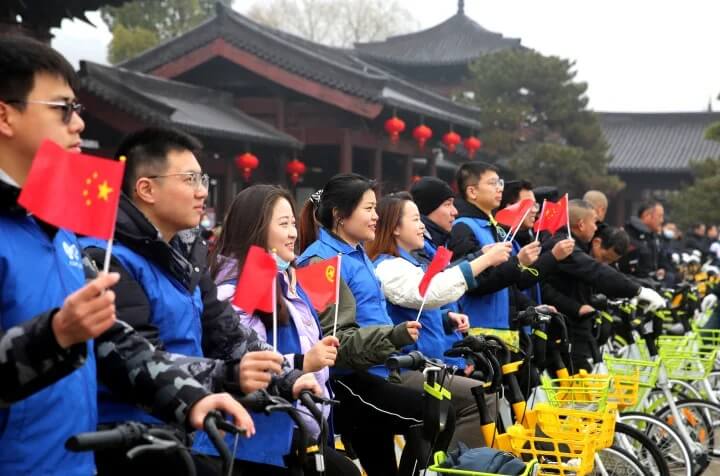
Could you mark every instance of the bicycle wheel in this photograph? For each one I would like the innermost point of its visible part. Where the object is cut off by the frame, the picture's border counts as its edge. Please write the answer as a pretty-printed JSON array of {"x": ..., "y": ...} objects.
[
  {"x": 616, "y": 462},
  {"x": 641, "y": 447},
  {"x": 702, "y": 420},
  {"x": 674, "y": 451}
]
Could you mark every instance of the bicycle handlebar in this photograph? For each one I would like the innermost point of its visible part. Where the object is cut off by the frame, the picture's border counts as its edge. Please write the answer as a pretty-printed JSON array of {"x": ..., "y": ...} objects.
[{"x": 127, "y": 434}]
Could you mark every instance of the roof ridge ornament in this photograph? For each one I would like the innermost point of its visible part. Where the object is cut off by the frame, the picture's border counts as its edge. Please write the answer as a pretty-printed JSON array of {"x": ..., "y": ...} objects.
[{"x": 461, "y": 7}]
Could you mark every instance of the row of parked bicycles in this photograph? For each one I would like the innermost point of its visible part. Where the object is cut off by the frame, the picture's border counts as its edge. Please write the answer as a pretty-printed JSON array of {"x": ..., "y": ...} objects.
[{"x": 649, "y": 407}]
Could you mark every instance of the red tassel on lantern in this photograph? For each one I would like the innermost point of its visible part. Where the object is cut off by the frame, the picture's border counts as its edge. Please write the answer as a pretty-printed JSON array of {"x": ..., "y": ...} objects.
[
  {"x": 451, "y": 140},
  {"x": 295, "y": 169},
  {"x": 472, "y": 144},
  {"x": 394, "y": 126},
  {"x": 246, "y": 162},
  {"x": 422, "y": 134}
]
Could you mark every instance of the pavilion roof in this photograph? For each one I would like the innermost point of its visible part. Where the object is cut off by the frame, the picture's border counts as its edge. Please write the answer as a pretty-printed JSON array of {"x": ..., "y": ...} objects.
[
  {"x": 201, "y": 111},
  {"x": 338, "y": 68}
]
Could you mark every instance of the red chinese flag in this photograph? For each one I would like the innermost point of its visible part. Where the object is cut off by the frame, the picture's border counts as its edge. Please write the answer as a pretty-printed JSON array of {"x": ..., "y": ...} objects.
[
  {"x": 78, "y": 192},
  {"x": 513, "y": 214},
  {"x": 440, "y": 261},
  {"x": 254, "y": 287},
  {"x": 319, "y": 280},
  {"x": 554, "y": 216}
]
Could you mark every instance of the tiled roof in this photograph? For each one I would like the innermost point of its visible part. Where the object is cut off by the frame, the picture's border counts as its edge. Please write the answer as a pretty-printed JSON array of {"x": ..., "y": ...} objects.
[
  {"x": 657, "y": 142},
  {"x": 202, "y": 111},
  {"x": 337, "y": 68},
  {"x": 457, "y": 40}
]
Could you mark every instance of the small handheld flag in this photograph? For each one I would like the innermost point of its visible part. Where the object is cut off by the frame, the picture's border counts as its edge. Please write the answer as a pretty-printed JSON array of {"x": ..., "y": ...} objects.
[
  {"x": 254, "y": 287},
  {"x": 437, "y": 265},
  {"x": 75, "y": 191}
]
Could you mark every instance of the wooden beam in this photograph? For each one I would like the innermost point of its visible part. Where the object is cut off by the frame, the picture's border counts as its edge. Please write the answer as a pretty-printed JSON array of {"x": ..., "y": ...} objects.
[
  {"x": 346, "y": 153},
  {"x": 265, "y": 69},
  {"x": 408, "y": 172},
  {"x": 431, "y": 165},
  {"x": 377, "y": 169},
  {"x": 228, "y": 181}
]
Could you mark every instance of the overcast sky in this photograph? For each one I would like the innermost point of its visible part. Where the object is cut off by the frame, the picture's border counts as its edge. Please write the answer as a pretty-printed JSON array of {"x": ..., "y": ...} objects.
[{"x": 636, "y": 55}]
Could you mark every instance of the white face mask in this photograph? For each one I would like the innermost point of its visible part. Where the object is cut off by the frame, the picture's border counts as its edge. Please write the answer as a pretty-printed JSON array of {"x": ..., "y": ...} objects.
[
  {"x": 669, "y": 234},
  {"x": 205, "y": 224}
]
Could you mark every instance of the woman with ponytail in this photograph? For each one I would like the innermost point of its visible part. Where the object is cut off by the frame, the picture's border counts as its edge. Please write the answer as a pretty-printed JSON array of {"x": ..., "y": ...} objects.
[
  {"x": 400, "y": 234},
  {"x": 339, "y": 220},
  {"x": 264, "y": 216}
]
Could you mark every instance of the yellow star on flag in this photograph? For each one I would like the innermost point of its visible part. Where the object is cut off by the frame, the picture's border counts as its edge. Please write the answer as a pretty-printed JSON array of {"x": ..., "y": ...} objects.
[{"x": 104, "y": 191}]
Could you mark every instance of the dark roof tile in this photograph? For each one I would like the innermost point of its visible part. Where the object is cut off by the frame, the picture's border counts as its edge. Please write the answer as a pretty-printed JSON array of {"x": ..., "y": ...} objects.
[
  {"x": 335, "y": 67},
  {"x": 457, "y": 40},
  {"x": 657, "y": 142},
  {"x": 202, "y": 111}
]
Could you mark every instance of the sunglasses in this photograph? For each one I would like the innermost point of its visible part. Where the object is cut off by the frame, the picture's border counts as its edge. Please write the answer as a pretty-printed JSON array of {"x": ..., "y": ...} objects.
[{"x": 67, "y": 108}]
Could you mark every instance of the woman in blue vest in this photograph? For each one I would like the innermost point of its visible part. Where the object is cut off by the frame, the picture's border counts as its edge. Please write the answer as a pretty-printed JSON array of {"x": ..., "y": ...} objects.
[
  {"x": 338, "y": 221},
  {"x": 264, "y": 216},
  {"x": 401, "y": 233}
]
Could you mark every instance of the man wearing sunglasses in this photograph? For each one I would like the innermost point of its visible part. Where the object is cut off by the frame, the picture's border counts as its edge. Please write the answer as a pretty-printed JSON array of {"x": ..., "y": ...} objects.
[{"x": 49, "y": 315}]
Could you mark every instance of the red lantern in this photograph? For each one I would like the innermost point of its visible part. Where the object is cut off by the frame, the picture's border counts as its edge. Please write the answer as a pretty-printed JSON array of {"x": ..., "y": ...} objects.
[
  {"x": 295, "y": 169},
  {"x": 422, "y": 134},
  {"x": 394, "y": 126},
  {"x": 451, "y": 140},
  {"x": 246, "y": 162},
  {"x": 472, "y": 144}
]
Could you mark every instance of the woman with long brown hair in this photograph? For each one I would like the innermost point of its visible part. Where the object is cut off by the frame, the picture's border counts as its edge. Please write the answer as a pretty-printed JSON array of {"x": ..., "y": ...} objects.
[
  {"x": 264, "y": 216},
  {"x": 399, "y": 234}
]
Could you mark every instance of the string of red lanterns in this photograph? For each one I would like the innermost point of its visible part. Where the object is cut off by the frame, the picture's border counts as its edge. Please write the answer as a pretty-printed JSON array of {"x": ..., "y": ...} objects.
[{"x": 394, "y": 126}]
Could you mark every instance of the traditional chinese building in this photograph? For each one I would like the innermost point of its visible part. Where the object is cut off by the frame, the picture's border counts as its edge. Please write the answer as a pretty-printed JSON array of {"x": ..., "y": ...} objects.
[
  {"x": 326, "y": 106},
  {"x": 652, "y": 153}
]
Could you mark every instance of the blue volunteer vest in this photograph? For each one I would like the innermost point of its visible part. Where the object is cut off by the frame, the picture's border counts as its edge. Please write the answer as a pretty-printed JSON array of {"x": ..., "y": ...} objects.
[
  {"x": 491, "y": 310},
  {"x": 432, "y": 341},
  {"x": 174, "y": 311},
  {"x": 36, "y": 275},
  {"x": 358, "y": 273}
]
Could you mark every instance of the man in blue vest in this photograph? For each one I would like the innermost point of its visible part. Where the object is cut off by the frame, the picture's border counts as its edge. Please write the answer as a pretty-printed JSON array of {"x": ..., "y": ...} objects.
[
  {"x": 170, "y": 298},
  {"x": 48, "y": 314},
  {"x": 490, "y": 305}
]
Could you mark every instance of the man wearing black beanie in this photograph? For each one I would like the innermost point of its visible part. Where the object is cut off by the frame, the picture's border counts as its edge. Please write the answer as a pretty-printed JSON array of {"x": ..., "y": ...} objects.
[{"x": 435, "y": 200}]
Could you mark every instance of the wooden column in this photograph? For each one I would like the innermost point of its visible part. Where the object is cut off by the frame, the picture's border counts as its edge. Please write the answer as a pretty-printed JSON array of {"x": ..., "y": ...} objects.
[
  {"x": 345, "y": 152},
  {"x": 431, "y": 165},
  {"x": 377, "y": 169},
  {"x": 228, "y": 179},
  {"x": 408, "y": 172}
]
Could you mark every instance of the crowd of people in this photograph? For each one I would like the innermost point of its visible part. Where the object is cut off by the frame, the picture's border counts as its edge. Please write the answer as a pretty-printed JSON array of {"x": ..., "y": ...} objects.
[{"x": 157, "y": 339}]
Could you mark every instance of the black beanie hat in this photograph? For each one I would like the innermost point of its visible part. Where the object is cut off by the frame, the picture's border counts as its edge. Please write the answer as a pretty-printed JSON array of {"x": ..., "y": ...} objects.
[{"x": 429, "y": 193}]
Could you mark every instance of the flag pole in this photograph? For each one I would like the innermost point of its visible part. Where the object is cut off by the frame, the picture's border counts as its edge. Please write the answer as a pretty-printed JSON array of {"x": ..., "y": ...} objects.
[
  {"x": 108, "y": 250},
  {"x": 519, "y": 225},
  {"x": 567, "y": 213},
  {"x": 422, "y": 305},
  {"x": 337, "y": 292},
  {"x": 542, "y": 216},
  {"x": 274, "y": 307}
]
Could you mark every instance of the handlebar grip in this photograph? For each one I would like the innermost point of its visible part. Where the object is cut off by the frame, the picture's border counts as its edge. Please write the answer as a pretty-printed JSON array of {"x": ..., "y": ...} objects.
[
  {"x": 413, "y": 361},
  {"x": 307, "y": 400},
  {"x": 127, "y": 434},
  {"x": 256, "y": 401},
  {"x": 211, "y": 428}
]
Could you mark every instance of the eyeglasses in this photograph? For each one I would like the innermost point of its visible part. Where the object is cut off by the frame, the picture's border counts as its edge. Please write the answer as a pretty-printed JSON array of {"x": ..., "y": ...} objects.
[
  {"x": 67, "y": 107},
  {"x": 193, "y": 179},
  {"x": 497, "y": 183}
]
